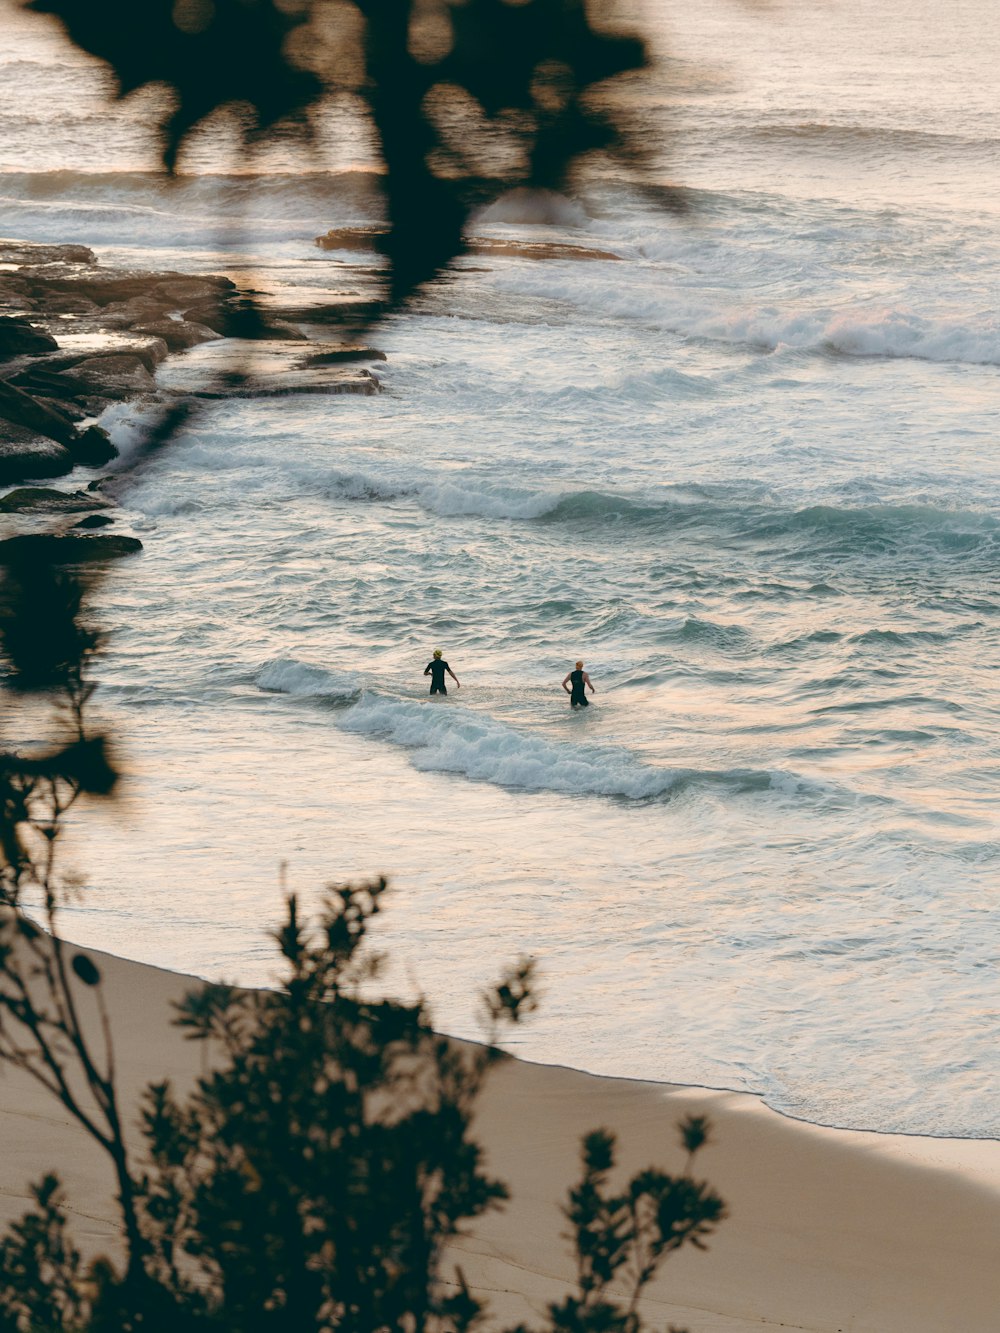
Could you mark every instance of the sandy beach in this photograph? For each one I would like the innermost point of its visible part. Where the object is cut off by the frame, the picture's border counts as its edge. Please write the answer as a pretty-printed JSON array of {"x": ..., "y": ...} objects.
[{"x": 828, "y": 1230}]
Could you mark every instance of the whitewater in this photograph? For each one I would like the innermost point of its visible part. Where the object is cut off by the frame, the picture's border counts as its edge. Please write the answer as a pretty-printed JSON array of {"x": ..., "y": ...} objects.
[{"x": 747, "y": 471}]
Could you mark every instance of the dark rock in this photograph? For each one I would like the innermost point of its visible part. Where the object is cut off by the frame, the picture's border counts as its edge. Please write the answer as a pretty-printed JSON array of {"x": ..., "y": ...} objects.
[
  {"x": 183, "y": 290},
  {"x": 210, "y": 314},
  {"x": 273, "y": 329},
  {"x": 66, "y": 406},
  {"x": 239, "y": 321},
  {"x": 341, "y": 355},
  {"x": 108, "y": 287},
  {"x": 44, "y": 500},
  {"x": 12, "y": 287},
  {"x": 350, "y": 311},
  {"x": 64, "y": 303},
  {"x": 93, "y": 521},
  {"x": 376, "y": 238},
  {"x": 495, "y": 245},
  {"x": 20, "y": 409},
  {"x": 102, "y": 288},
  {"x": 18, "y": 336},
  {"x": 178, "y": 334},
  {"x": 37, "y": 380},
  {"x": 67, "y": 548},
  {"x": 89, "y": 449},
  {"x": 93, "y": 403},
  {"x": 30, "y": 252},
  {"x": 150, "y": 351},
  {"x": 70, "y": 415},
  {"x": 127, "y": 314},
  {"x": 93, "y": 448},
  {"x": 353, "y": 238},
  {"x": 278, "y": 386},
  {"x": 25, "y": 455},
  {"x": 122, "y": 375}
]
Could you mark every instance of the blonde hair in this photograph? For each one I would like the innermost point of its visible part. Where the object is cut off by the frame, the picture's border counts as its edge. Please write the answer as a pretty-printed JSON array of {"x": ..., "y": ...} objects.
[
  {"x": 579, "y": 666},
  {"x": 437, "y": 652}
]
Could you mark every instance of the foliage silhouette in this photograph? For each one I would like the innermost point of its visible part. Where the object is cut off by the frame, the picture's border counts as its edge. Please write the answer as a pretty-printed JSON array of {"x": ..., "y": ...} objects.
[
  {"x": 314, "y": 1176},
  {"x": 316, "y": 1173},
  {"x": 466, "y": 98}
]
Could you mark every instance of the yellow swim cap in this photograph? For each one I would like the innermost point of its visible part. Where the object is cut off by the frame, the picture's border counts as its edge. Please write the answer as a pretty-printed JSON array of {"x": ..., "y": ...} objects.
[{"x": 437, "y": 652}]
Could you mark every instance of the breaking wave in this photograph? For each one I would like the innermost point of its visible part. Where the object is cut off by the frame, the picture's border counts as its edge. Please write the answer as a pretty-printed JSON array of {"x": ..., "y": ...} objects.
[
  {"x": 972, "y": 337},
  {"x": 830, "y": 529},
  {"x": 889, "y": 330},
  {"x": 445, "y": 738},
  {"x": 543, "y": 208},
  {"x": 285, "y": 675}
]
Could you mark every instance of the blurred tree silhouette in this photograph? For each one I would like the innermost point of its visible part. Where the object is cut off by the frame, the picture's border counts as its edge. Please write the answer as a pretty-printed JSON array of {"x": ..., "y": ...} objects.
[
  {"x": 314, "y": 1176},
  {"x": 444, "y": 83}
]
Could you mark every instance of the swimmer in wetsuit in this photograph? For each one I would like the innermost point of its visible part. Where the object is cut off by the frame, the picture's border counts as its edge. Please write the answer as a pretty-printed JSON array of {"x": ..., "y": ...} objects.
[
  {"x": 578, "y": 679},
  {"x": 436, "y": 668}
]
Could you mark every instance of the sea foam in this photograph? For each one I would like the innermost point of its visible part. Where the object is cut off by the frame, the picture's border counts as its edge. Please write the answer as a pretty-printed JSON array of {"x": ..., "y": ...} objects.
[
  {"x": 446, "y": 738},
  {"x": 535, "y": 208},
  {"x": 285, "y": 675},
  {"x": 888, "y": 329}
]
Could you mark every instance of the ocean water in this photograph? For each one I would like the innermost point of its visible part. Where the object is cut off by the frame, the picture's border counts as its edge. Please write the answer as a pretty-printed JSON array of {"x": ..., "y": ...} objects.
[{"x": 748, "y": 472}]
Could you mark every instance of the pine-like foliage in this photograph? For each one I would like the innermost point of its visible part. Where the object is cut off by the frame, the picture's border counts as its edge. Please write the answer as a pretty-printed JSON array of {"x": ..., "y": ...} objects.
[{"x": 315, "y": 1174}]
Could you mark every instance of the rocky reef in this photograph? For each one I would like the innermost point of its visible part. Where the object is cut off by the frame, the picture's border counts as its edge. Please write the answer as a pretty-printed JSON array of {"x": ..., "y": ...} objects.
[
  {"x": 374, "y": 237},
  {"x": 77, "y": 337}
]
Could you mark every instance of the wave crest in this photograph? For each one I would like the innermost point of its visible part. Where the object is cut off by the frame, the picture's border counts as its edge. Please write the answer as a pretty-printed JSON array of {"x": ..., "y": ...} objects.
[
  {"x": 285, "y": 675},
  {"x": 971, "y": 336},
  {"x": 745, "y": 515},
  {"x": 445, "y": 738},
  {"x": 539, "y": 208}
]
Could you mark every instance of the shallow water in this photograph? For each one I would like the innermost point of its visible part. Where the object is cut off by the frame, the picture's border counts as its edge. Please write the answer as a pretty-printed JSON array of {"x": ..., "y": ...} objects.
[{"x": 747, "y": 472}]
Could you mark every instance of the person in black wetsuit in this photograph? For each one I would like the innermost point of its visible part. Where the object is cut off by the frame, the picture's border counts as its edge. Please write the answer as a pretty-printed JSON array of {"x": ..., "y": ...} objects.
[
  {"x": 436, "y": 668},
  {"x": 578, "y": 679}
]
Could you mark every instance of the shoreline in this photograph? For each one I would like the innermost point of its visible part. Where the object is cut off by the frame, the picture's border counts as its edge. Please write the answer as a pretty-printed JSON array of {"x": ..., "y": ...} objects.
[
  {"x": 828, "y": 1229},
  {"x": 558, "y": 1065},
  {"x": 758, "y": 1097}
]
